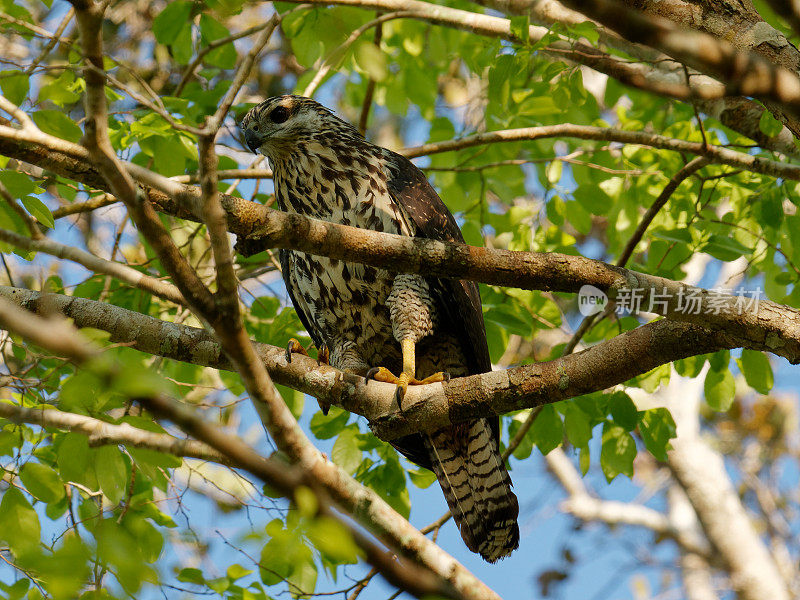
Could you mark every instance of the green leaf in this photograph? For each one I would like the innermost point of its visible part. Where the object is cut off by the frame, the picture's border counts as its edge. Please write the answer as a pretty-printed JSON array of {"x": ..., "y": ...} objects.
[
  {"x": 219, "y": 585},
  {"x": 577, "y": 426},
  {"x": 190, "y": 575},
  {"x": 18, "y": 184},
  {"x": 586, "y": 29},
  {"x": 80, "y": 392},
  {"x": 73, "y": 457},
  {"x": 15, "y": 86},
  {"x": 346, "y": 452},
  {"x": 304, "y": 578},
  {"x": 20, "y": 528},
  {"x": 769, "y": 125},
  {"x": 578, "y": 217},
  {"x": 42, "y": 481},
  {"x": 623, "y": 410},
  {"x": 691, "y": 366},
  {"x": 111, "y": 472},
  {"x": 585, "y": 459},
  {"x": 325, "y": 427},
  {"x": 525, "y": 446},
  {"x": 39, "y": 210},
  {"x": 617, "y": 452},
  {"x": 651, "y": 380},
  {"x": 58, "y": 124},
  {"x": 333, "y": 540},
  {"x": 719, "y": 389},
  {"x": 520, "y": 28},
  {"x": 680, "y": 236},
  {"x": 553, "y": 171},
  {"x": 212, "y": 30},
  {"x": 371, "y": 61},
  {"x": 167, "y": 152},
  {"x": 657, "y": 428},
  {"x": 237, "y": 571},
  {"x": 422, "y": 478},
  {"x": 506, "y": 316},
  {"x": 547, "y": 430},
  {"x": 171, "y": 20},
  {"x": 66, "y": 570},
  {"x": 757, "y": 370},
  {"x": 719, "y": 360},
  {"x": 725, "y": 248},
  {"x": 62, "y": 91}
]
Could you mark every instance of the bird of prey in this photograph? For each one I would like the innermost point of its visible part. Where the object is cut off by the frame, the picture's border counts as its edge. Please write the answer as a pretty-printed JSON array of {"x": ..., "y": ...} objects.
[{"x": 376, "y": 323}]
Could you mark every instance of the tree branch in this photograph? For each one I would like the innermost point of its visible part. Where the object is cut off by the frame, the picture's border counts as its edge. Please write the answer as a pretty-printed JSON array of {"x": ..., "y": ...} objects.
[
  {"x": 585, "y": 507},
  {"x": 744, "y": 73},
  {"x": 739, "y": 114},
  {"x": 772, "y": 327},
  {"x": 434, "y": 578},
  {"x": 101, "y": 433},
  {"x": 287, "y": 479},
  {"x": 123, "y": 273},
  {"x": 425, "y": 408}
]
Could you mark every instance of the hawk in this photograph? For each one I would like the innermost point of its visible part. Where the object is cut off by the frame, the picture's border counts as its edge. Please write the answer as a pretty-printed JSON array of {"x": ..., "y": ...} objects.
[{"x": 376, "y": 323}]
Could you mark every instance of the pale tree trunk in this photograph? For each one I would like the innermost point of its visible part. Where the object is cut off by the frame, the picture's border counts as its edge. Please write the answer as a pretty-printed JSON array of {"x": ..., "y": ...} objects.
[
  {"x": 700, "y": 471},
  {"x": 696, "y": 573}
]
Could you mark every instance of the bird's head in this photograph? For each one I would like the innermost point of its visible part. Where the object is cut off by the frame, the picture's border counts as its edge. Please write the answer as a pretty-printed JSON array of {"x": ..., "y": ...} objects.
[{"x": 278, "y": 124}]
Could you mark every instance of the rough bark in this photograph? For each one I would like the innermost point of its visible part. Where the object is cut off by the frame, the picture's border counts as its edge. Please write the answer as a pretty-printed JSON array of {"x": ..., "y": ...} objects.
[
  {"x": 425, "y": 408},
  {"x": 746, "y": 30}
]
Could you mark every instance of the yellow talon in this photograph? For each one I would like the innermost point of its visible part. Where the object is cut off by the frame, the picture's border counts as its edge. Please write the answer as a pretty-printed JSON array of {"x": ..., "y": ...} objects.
[{"x": 407, "y": 377}]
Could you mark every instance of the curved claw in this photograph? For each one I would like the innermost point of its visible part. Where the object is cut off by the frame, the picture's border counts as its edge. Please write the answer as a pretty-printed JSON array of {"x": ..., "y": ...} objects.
[
  {"x": 324, "y": 407},
  {"x": 402, "y": 387},
  {"x": 324, "y": 355},
  {"x": 372, "y": 373},
  {"x": 294, "y": 347}
]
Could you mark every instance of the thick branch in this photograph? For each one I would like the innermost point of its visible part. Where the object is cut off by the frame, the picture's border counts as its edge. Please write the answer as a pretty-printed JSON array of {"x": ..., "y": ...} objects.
[
  {"x": 752, "y": 33},
  {"x": 743, "y": 28},
  {"x": 426, "y": 407},
  {"x": 702, "y": 473},
  {"x": 771, "y": 327},
  {"x": 744, "y": 73}
]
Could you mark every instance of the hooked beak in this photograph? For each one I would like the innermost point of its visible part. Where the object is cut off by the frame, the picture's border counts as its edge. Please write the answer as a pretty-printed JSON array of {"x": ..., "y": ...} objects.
[{"x": 253, "y": 140}]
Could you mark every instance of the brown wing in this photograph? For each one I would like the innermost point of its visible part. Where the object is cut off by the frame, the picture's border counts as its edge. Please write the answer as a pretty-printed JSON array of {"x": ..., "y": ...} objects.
[
  {"x": 286, "y": 258},
  {"x": 459, "y": 302}
]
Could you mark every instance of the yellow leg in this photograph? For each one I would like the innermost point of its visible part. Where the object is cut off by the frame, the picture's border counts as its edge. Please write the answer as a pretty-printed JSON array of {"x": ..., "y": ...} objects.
[{"x": 408, "y": 376}]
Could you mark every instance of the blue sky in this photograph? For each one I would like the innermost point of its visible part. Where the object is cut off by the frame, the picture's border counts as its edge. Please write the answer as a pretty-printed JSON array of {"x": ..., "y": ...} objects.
[{"x": 608, "y": 564}]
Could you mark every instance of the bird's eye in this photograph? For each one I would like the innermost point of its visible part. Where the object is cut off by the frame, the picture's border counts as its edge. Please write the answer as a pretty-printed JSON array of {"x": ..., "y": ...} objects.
[
  {"x": 255, "y": 127},
  {"x": 279, "y": 115}
]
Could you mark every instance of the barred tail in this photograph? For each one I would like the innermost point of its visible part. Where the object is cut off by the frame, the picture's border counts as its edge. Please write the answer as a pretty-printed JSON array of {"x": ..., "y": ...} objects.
[{"x": 476, "y": 485}]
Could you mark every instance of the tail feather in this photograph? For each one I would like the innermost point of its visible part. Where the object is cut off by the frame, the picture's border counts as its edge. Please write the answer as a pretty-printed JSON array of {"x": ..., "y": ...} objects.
[{"x": 466, "y": 460}]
